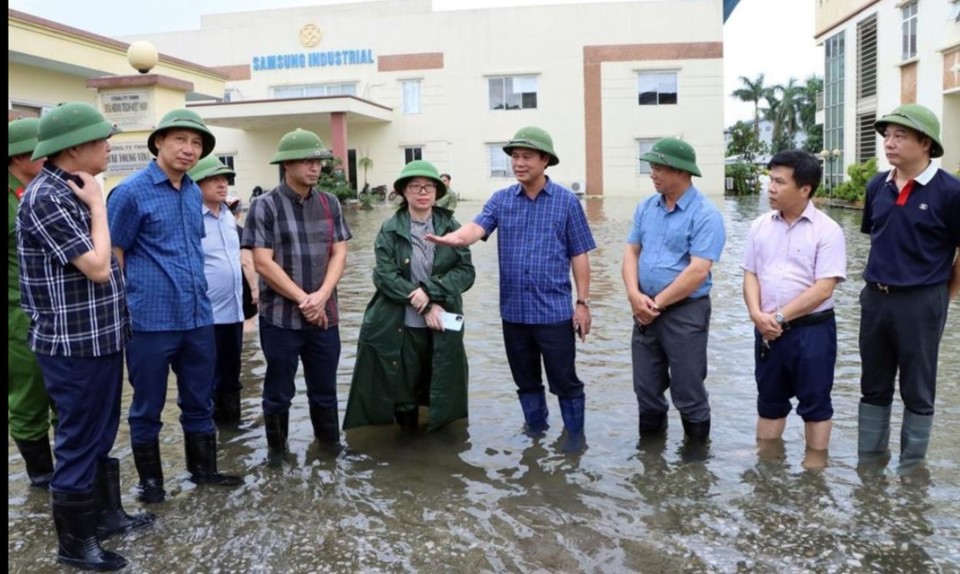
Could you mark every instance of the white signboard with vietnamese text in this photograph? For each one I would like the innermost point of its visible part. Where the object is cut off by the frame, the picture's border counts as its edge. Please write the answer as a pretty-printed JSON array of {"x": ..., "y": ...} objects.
[
  {"x": 130, "y": 110},
  {"x": 126, "y": 158}
]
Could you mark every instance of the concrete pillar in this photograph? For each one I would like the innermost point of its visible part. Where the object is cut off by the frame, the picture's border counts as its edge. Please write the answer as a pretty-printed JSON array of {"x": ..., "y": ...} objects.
[{"x": 338, "y": 132}]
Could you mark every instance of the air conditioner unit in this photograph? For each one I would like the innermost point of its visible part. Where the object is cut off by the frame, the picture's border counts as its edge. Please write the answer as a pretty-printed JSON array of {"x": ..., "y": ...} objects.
[{"x": 578, "y": 186}]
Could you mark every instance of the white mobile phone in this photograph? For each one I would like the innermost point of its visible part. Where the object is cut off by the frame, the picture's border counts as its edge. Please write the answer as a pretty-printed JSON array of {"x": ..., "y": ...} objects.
[{"x": 451, "y": 321}]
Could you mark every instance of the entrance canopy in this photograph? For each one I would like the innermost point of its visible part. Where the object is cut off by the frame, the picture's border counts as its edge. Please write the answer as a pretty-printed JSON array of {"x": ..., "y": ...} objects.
[{"x": 289, "y": 114}]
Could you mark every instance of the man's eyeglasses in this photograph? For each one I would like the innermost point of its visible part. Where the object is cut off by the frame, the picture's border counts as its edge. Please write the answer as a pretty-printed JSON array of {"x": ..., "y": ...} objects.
[{"x": 420, "y": 188}]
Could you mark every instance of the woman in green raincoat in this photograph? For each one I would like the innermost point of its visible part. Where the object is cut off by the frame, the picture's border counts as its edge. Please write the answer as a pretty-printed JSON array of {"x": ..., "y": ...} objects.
[{"x": 405, "y": 356}]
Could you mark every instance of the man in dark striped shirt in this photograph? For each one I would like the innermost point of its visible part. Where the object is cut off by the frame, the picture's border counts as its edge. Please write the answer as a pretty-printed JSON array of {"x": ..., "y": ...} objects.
[
  {"x": 298, "y": 236},
  {"x": 72, "y": 290}
]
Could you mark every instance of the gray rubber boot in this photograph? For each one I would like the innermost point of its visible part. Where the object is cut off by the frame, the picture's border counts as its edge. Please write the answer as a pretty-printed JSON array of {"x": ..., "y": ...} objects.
[
  {"x": 914, "y": 439},
  {"x": 873, "y": 432}
]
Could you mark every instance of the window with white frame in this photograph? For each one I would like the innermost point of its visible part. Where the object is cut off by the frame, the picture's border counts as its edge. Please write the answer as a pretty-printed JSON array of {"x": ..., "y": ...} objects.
[
  {"x": 314, "y": 90},
  {"x": 227, "y": 160},
  {"x": 657, "y": 88},
  {"x": 411, "y": 97},
  {"x": 954, "y": 12},
  {"x": 28, "y": 109},
  {"x": 499, "y": 161},
  {"x": 412, "y": 154},
  {"x": 643, "y": 146},
  {"x": 513, "y": 92},
  {"x": 909, "y": 28}
]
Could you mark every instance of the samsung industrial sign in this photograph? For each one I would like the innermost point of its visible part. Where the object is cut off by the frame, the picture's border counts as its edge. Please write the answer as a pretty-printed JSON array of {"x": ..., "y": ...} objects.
[{"x": 312, "y": 60}]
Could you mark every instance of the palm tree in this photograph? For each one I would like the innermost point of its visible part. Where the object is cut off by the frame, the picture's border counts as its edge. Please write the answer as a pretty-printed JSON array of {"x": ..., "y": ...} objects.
[
  {"x": 788, "y": 112},
  {"x": 752, "y": 91},
  {"x": 365, "y": 163}
]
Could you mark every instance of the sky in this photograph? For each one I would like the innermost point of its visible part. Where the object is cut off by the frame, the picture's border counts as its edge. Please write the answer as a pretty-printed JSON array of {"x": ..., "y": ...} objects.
[{"x": 770, "y": 37}]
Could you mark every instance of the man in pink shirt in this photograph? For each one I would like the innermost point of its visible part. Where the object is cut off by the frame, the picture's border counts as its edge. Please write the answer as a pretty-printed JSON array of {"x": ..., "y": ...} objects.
[{"x": 794, "y": 257}]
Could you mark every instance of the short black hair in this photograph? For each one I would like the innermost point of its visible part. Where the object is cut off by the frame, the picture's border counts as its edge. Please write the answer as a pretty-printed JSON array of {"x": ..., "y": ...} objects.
[
  {"x": 806, "y": 167},
  {"x": 446, "y": 175}
]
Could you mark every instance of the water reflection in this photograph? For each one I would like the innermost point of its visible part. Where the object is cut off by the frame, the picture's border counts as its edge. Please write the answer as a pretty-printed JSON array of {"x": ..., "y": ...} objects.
[{"x": 483, "y": 497}]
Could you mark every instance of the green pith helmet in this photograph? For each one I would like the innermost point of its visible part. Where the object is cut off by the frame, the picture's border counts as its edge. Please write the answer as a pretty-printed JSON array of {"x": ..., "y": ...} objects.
[
  {"x": 209, "y": 167},
  {"x": 533, "y": 138},
  {"x": 300, "y": 144},
  {"x": 183, "y": 119},
  {"x": 917, "y": 118},
  {"x": 420, "y": 168},
  {"x": 22, "y": 136},
  {"x": 70, "y": 124},
  {"x": 675, "y": 153}
]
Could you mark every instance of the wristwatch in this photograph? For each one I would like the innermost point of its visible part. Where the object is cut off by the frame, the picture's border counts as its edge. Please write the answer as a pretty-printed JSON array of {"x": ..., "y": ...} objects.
[
  {"x": 584, "y": 302},
  {"x": 780, "y": 319}
]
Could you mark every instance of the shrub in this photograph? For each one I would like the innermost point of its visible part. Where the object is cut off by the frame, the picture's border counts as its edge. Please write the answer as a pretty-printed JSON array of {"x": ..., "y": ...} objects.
[
  {"x": 855, "y": 188},
  {"x": 333, "y": 181},
  {"x": 744, "y": 175}
]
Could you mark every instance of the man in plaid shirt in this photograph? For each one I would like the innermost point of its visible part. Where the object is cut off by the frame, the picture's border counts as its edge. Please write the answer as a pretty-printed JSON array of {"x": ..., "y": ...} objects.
[
  {"x": 543, "y": 235},
  {"x": 72, "y": 290}
]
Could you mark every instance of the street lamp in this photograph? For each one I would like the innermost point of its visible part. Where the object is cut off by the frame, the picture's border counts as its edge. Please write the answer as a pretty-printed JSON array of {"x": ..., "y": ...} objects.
[{"x": 829, "y": 156}]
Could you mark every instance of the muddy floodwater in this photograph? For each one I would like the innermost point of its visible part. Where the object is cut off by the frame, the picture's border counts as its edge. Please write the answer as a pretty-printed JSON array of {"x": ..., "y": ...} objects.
[{"x": 480, "y": 496}]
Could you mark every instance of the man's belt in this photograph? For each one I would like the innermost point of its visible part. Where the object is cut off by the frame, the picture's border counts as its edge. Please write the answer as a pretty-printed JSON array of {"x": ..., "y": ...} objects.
[
  {"x": 894, "y": 288},
  {"x": 807, "y": 320}
]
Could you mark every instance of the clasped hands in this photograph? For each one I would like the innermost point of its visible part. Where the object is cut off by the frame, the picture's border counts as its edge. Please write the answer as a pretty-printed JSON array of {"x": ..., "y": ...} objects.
[
  {"x": 314, "y": 308},
  {"x": 419, "y": 300},
  {"x": 645, "y": 309}
]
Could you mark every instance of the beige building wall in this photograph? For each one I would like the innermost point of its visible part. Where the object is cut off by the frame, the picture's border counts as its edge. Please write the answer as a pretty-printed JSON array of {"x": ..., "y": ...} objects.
[
  {"x": 595, "y": 125},
  {"x": 28, "y": 88}
]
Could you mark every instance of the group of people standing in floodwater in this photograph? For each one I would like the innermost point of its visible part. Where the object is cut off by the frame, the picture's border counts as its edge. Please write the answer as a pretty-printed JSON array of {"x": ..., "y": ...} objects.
[{"x": 151, "y": 278}]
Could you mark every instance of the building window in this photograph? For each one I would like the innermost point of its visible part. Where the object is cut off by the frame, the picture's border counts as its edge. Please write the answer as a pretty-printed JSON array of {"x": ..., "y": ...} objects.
[
  {"x": 866, "y": 137},
  {"x": 499, "y": 160},
  {"x": 867, "y": 58},
  {"x": 315, "y": 90},
  {"x": 28, "y": 110},
  {"x": 954, "y": 12},
  {"x": 227, "y": 160},
  {"x": 833, "y": 79},
  {"x": 657, "y": 88},
  {"x": 643, "y": 146},
  {"x": 412, "y": 154},
  {"x": 513, "y": 92},
  {"x": 909, "y": 30},
  {"x": 411, "y": 97}
]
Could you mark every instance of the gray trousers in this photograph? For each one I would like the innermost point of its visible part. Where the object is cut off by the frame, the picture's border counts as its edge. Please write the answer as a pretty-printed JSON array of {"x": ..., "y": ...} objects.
[
  {"x": 902, "y": 331},
  {"x": 671, "y": 353}
]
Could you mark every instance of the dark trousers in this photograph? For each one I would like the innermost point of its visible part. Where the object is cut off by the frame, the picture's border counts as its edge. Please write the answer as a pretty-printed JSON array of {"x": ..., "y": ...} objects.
[
  {"x": 671, "y": 353},
  {"x": 556, "y": 345},
  {"x": 416, "y": 357},
  {"x": 901, "y": 331},
  {"x": 229, "y": 341},
  {"x": 87, "y": 393},
  {"x": 150, "y": 356},
  {"x": 283, "y": 349}
]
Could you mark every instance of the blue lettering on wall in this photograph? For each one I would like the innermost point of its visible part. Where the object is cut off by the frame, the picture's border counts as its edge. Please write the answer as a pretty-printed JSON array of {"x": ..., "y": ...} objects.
[{"x": 311, "y": 60}]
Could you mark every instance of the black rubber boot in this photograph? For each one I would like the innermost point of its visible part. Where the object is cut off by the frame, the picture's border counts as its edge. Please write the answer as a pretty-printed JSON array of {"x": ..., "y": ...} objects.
[
  {"x": 652, "y": 429},
  {"x": 407, "y": 419},
  {"x": 147, "y": 459},
  {"x": 202, "y": 460},
  {"x": 38, "y": 460},
  {"x": 535, "y": 413},
  {"x": 277, "y": 426},
  {"x": 695, "y": 444},
  {"x": 226, "y": 408},
  {"x": 873, "y": 433},
  {"x": 326, "y": 428},
  {"x": 113, "y": 519},
  {"x": 75, "y": 518}
]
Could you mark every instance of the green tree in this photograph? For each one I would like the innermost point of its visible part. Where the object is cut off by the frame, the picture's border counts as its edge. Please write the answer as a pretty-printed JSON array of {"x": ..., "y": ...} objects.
[
  {"x": 365, "y": 163},
  {"x": 752, "y": 91},
  {"x": 744, "y": 143},
  {"x": 812, "y": 88}
]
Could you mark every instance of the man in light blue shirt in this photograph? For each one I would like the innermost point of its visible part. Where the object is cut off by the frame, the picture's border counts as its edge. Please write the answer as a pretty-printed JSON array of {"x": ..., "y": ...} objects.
[
  {"x": 222, "y": 268},
  {"x": 676, "y": 237}
]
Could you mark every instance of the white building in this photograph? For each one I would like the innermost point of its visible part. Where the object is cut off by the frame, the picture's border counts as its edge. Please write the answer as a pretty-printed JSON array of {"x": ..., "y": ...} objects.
[
  {"x": 880, "y": 54},
  {"x": 394, "y": 80}
]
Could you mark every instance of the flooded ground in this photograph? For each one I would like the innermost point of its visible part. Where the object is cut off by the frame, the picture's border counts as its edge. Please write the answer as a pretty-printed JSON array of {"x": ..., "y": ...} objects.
[{"x": 483, "y": 497}]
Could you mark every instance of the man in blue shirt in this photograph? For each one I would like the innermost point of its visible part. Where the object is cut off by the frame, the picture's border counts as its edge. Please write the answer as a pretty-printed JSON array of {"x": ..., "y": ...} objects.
[
  {"x": 156, "y": 225},
  {"x": 677, "y": 236},
  {"x": 543, "y": 234},
  {"x": 912, "y": 214}
]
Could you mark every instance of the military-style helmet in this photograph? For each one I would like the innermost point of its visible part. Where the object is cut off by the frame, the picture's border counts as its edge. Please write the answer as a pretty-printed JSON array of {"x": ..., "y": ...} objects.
[
  {"x": 420, "y": 168},
  {"x": 183, "y": 119},
  {"x": 917, "y": 118},
  {"x": 209, "y": 167},
  {"x": 22, "y": 136},
  {"x": 675, "y": 153},
  {"x": 300, "y": 144},
  {"x": 70, "y": 124},
  {"x": 533, "y": 138}
]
